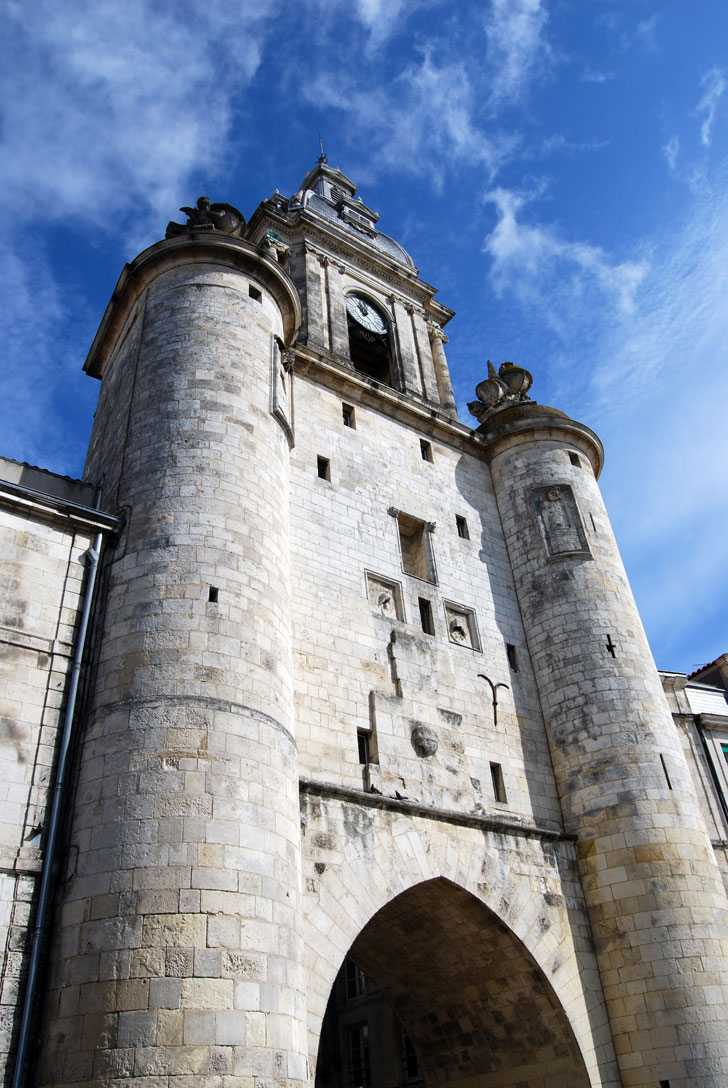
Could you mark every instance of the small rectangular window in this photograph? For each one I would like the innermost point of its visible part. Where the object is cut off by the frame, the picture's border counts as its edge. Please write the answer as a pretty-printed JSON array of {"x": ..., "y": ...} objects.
[
  {"x": 415, "y": 546},
  {"x": 574, "y": 458},
  {"x": 347, "y": 413},
  {"x": 425, "y": 450},
  {"x": 463, "y": 531},
  {"x": 363, "y": 743},
  {"x": 499, "y": 789},
  {"x": 324, "y": 468},
  {"x": 212, "y": 594},
  {"x": 359, "y": 1065},
  {"x": 512, "y": 656},
  {"x": 255, "y": 293},
  {"x": 428, "y": 624},
  {"x": 354, "y": 980},
  {"x": 411, "y": 1066}
]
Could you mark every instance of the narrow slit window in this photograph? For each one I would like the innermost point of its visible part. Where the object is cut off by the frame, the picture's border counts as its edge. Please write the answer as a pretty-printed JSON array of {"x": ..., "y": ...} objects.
[
  {"x": 362, "y": 739},
  {"x": 410, "y": 1064},
  {"x": 355, "y": 983},
  {"x": 664, "y": 771},
  {"x": 254, "y": 293},
  {"x": 212, "y": 594},
  {"x": 594, "y": 524},
  {"x": 323, "y": 466},
  {"x": 575, "y": 459},
  {"x": 499, "y": 789},
  {"x": 347, "y": 414},
  {"x": 426, "y": 450},
  {"x": 463, "y": 531},
  {"x": 512, "y": 656},
  {"x": 426, "y": 620}
]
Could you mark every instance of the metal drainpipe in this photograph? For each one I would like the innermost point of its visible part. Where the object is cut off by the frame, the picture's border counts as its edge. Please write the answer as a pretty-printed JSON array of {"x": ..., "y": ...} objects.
[
  {"x": 44, "y": 899},
  {"x": 711, "y": 766}
]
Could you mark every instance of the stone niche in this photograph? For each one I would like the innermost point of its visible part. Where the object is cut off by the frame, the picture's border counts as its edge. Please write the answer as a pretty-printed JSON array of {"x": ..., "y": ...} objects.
[
  {"x": 462, "y": 628},
  {"x": 559, "y": 521},
  {"x": 385, "y": 596}
]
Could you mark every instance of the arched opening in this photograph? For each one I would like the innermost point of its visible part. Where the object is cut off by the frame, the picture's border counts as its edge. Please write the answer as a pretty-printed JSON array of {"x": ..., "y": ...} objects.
[
  {"x": 436, "y": 990},
  {"x": 369, "y": 338}
]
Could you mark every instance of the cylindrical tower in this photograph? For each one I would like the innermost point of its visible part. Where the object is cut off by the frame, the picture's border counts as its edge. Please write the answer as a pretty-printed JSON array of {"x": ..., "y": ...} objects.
[
  {"x": 179, "y": 948},
  {"x": 656, "y": 902}
]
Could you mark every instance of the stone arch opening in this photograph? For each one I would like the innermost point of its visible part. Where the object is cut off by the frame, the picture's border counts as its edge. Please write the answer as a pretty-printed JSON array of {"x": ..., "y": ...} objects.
[
  {"x": 369, "y": 338},
  {"x": 462, "y": 989}
]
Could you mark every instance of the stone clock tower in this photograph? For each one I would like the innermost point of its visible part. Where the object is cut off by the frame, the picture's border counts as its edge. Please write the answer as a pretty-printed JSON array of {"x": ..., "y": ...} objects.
[{"x": 375, "y": 781}]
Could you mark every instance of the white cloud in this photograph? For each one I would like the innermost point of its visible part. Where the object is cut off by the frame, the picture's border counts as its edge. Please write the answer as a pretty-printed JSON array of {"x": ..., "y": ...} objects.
[
  {"x": 382, "y": 17},
  {"x": 424, "y": 121},
  {"x": 714, "y": 82},
  {"x": 108, "y": 106},
  {"x": 671, "y": 150},
  {"x": 539, "y": 266},
  {"x": 658, "y": 398},
  {"x": 591, "y": 75},
  {"x": 517, "y": 50}
]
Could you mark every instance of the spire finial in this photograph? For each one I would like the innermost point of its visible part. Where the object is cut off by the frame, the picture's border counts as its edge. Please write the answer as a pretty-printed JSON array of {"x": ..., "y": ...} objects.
[{"x": 322, "y": 156}]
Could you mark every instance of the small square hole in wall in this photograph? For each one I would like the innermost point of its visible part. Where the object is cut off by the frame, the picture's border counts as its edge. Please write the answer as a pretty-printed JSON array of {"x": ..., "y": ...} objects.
[
  {"x": 426, "y": 450},
  {"x": 323, "y": 466},
  {"x": 255, "y": 293},
  {"x": 512, "y": 656},
  {"x": 462, "y": 525},
  {"x": 348, "y": 416},
  {"x": 426, "y": 620},
  {"x": 575, "y": 459},
  {"x": 499, "y": 789}
]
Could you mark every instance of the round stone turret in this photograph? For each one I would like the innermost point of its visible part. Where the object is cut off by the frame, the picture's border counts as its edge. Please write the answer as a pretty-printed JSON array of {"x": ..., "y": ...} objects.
[
  {"x": 178, "y": 954},
  {"x": 656, "y": 901}
]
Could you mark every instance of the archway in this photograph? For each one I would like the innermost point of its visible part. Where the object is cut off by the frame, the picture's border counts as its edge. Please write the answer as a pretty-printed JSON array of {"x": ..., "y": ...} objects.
[{"x": 471, "y": 1001}]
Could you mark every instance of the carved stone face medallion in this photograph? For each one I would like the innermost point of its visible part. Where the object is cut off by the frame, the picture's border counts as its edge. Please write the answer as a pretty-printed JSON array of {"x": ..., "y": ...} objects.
[
  {"x": 424, "y": 740},
  {"x": 385, "y": 597}
]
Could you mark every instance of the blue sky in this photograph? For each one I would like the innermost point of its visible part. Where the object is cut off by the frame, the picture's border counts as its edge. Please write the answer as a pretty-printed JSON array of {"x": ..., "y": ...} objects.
[{"x": 559, "y": 170}]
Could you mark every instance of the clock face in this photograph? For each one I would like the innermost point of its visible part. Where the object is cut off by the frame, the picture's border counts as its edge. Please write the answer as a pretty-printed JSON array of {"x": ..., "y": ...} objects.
[{"x": 365, "y": 314}]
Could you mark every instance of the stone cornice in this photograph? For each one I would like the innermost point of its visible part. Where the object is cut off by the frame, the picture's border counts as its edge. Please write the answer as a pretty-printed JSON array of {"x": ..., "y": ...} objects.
[
  {"x": 325, "y": 238},
  {"x": 357, "y": 387},
  {"x": 497, "y": 824}
]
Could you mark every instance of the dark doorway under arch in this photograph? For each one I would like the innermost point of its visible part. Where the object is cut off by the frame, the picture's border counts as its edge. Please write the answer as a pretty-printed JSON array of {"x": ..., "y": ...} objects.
[{"x": 472, "y": 1002}]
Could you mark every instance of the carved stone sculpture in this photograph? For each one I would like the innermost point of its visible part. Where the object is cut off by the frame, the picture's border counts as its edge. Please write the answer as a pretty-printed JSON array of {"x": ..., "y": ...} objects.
[
  {"x": 424, "y": 740},
  {"x": 510, "y": 384},
  {"x": 208, "y": 217}
]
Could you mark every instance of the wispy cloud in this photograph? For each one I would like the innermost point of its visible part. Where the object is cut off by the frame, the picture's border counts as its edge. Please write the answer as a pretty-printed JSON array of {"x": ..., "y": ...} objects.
[
  {"x": 108, "y": 108},
  {"x": 591, "y": 75},
  {"x": 714, "y": 82},
  {"x": 517, "y": 49},
  {"x": 671, "y": 150},
  {"x": 658, "y": 396},
  {"x": 425, "y": 121},
  {"x": 113, "y": 104},
  {"x": 534, "y": 262}
]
